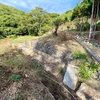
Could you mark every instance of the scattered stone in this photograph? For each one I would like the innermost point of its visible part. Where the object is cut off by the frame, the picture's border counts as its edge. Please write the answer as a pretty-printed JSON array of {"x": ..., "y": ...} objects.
[
  {"x": 94, "y": 83},
  {"x": 26, "y": 76},
  {"x": 71, "y": 77},
  {"x": 48, "y": 49},
  {"x": 38, "y": 46},
  {"x": 34, "y": 44},
  {"x": 27, "y": 51},
  {"x": 99, "y": 71},
  {"x": 87, "y": 93},
  {"x": 99, "y": 76},
  {"x": 95, "y": 76}
]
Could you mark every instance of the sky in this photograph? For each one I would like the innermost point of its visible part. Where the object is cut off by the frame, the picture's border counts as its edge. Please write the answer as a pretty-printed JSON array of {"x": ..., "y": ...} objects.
[{"x": 59, "y": 6}]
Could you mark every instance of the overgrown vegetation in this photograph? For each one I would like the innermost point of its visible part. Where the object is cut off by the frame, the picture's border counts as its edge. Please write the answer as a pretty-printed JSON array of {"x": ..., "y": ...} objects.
[
  {"x": 16, "y": 77},
  {"x": 86, "y": 67},
  {"x": 19, "y": 82},
  {"x": 37, "y": 22},
  {"x": 14, "y": 22},
  {"x": 79, "y": 55}
]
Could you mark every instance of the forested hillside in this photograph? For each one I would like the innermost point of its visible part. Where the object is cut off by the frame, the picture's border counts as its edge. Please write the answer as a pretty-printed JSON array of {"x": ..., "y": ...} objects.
[
  {"x": 9, "y": 19},
  {"x": 40, "y": 52},
  {"x": 16, "y": 22},
  {"x": 81, "y": 15},
  {"x": 38, "y": 21}
]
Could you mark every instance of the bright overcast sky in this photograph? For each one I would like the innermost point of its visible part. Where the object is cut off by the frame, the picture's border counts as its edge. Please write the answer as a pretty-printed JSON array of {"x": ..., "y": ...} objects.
[{"x": 59, "y": 6}]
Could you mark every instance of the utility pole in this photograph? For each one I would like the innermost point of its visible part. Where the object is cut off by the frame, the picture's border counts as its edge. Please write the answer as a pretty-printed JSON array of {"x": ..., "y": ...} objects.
[
  {"x": 91, "y": 23},
  {"x": 94, "y": 17}
]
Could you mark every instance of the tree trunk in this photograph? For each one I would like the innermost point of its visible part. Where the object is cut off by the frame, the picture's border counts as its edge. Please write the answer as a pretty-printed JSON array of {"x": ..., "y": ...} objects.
[{"x": 55, "y": 32}]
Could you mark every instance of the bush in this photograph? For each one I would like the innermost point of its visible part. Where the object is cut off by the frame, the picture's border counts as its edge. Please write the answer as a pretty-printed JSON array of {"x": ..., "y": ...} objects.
[
  {"x": 84, "y": 71},
  {"x": 79, "y": 55},
  {"x": 16, "y": 77},
  {"x": 45, "y": 29},
  {"x": 87, "y": 68},
  {"x": 1, "y": 37},
  {"x": 12, "y": 36}
]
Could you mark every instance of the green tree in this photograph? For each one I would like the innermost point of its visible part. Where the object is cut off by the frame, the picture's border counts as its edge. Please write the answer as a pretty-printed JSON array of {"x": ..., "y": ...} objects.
[
  {"x": 57, "y": 22},
  {"x": 83, "y": 9},
  {"x": 40, "y": 19}
]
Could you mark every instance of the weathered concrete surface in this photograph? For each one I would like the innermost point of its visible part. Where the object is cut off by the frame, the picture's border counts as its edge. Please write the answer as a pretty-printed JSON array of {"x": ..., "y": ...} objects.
[
  {"x": 87, "y": 93},
  {"x": 95, "y": 84},
  {"x": 50, "y": 63},
  {"x": 71, "y": 76}
]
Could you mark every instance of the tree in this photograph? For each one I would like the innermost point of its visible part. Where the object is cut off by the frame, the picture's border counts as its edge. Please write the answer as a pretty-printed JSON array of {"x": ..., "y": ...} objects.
[
  {"x": 40, "y": 18},
  {"x": 83, "y": 9},
  {"x": 57, "y": 23}
]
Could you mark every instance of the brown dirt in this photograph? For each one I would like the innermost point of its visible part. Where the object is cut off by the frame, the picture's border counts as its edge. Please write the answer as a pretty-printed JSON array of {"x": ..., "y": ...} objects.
[{"x": 32, "y": 86}]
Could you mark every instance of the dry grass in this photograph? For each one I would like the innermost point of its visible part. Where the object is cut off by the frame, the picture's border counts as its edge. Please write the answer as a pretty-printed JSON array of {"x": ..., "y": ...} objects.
[
  {"x": 5, "y": 46},
  {"x": 64, "y": 37},
  {"x": 32, "y": 80}
]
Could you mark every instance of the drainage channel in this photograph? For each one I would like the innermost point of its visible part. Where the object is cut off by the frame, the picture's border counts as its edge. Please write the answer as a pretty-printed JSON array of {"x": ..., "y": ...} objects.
[{"x": 58, "y": 90}]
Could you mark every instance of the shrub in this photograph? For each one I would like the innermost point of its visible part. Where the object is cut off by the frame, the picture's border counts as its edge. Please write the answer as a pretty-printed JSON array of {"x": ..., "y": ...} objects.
[
  {"x": 1, "y": 37},
  {"x": 79, "y": 55},
  {"x": 12, "y": 36},
  {"x": 86, "y": 66},
  {"x": 86, "y": 69},
  {"x": 16, "y": 77}
]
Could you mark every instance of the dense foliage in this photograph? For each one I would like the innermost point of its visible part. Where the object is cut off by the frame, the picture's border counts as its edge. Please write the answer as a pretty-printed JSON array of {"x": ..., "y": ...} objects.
[
  {"x": 16, "y": 22},
  {"x": 81, "y": 15},
  {"x": 83, "y": 9},
  {"x": 38, "y": 21}
]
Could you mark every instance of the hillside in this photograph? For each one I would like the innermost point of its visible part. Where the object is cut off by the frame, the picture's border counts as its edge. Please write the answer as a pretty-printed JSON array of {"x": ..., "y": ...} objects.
[
  {"x": 38, "y": 22},
  {"x": 16, "y": 22},
  {"x": 9, "y": 19},
  {"x": 40, "y": 58},
  {"x": 9, "y": 10}
]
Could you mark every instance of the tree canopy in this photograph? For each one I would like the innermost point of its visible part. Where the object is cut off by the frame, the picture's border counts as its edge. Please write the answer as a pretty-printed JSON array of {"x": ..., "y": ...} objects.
[
  {"x": 83, "y": 9},
  {"x": 38, "y": 21},
  {"x": 17, "y": 22}
]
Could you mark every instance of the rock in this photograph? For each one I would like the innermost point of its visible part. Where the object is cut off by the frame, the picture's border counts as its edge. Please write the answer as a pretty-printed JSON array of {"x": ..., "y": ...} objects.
[
  {"x": 95, "y": 76},
  {"x": 71, "y": 76},
  {"x": 94, "y": 83},
  {"x": 87, "y": 93},
  {"x": 60, "y": 55},
  {"x": 26, "y": 76},
  {"x": 99, "y": 71},
  {"x": 48, "y": 49},
  {"x": 38, "y": 46},
  {"x": 34, "y": 44},
  {"x": 27, "y": 51},
  {"x": 70, "y": 58},
  {"x": 99, "y": 76},
  {"x": 53, "y": 68},
  {"x": 51, "y": 64}
]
